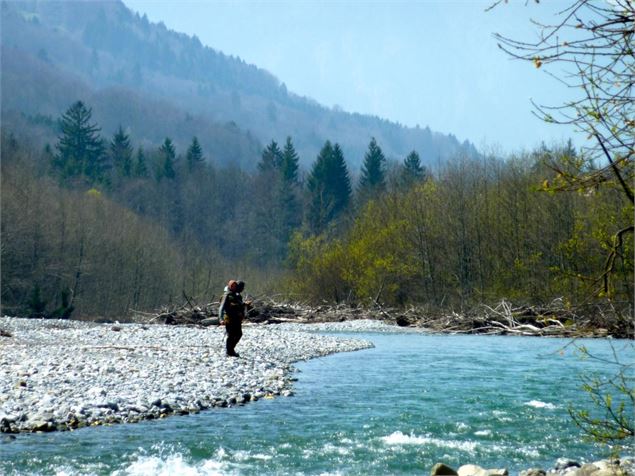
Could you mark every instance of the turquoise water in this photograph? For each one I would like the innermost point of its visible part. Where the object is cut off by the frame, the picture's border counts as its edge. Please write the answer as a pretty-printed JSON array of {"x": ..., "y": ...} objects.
[{"x": 410, "y": 402}]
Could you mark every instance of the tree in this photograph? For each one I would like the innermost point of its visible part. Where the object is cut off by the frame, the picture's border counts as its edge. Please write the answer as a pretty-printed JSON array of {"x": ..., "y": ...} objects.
[
  {"x": 121, "y": 153},
  {"x": 372, "y": 179},
  {"x": 271, "y": 158},
  {"x": 289, "y": 163},
  {"x": 340, "y": 181},
  {"x": 289, "y": 192},
  {"x": 167, "y": 160},
  {"x": 141, "y": 168},
  {"x": 328, "y": 187},
  {"x": 80, "y": 150},
  {"x": 194, "y": 155},
  {"x": 412, "y": 171},
  {"x": 593, "y": 41}
]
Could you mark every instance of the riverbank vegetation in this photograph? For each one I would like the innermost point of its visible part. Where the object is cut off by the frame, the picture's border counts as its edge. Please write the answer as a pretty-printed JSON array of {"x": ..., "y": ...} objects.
[{"x": 114, "y": 228}]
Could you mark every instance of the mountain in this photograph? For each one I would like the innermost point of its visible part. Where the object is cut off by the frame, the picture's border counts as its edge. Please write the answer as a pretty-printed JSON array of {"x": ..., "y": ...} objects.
[{"x": 156, "y": 83}]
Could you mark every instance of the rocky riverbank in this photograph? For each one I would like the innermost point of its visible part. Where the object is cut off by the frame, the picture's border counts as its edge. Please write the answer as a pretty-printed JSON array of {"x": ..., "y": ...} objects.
[
  {"x": 63, "y": 375},
  {"x": 562, "y": 467}
]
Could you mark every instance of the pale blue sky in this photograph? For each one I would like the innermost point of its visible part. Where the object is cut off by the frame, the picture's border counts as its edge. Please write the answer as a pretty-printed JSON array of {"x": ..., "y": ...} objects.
[{"x": 420, "y": 62}]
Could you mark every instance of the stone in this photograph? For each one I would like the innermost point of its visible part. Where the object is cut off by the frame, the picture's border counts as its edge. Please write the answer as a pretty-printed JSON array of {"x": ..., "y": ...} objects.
[
  {"x": 564, "y": 463},
  {"x": 494, "y": 472},
  {"x": 475, "y": 470},
  {"x": 612, "y": 470},
  {"x": 606, "y": 464},
  {"x": 469, "y": 470},
  {"x": 586, "y": 470},
  {"x": 628, "y": 465},
  {"x": 43, "y": 425},
  {"x": 441, "y": 469},
  {"x": 533, "y": 472}
]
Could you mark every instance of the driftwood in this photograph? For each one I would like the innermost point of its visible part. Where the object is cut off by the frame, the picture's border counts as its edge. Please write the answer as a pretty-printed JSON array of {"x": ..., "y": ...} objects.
[{"x": 554, "y": 319}]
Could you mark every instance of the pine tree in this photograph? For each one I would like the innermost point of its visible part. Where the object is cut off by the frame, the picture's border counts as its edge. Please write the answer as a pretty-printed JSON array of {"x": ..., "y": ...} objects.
[
  {"x": 412, "y": 171},
  {"x": 121, "y": 153},
  {"x": 271, "y": 158},
  {"x": 289, "y": 163},
  {"x": 372, "y": 179},
  {"x": 319, "y": 201},
  {"x": 80, "y": 150},
  {"x": 168, "y": 160},
  {"x": 140, "y": 168},
  {"x": 341, "y": 181},
  {"x": 194, "y": 155},
  {"x": 288, "y": 196},
  {"x": 328, "y": 187}
]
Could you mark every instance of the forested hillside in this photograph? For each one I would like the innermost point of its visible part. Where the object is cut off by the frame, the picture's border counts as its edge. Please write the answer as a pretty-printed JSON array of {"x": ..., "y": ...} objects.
[
  {"x": 156, "y": 82},
  {"x": 103, "y": 226},
  {"x": 132, "y": 177}
]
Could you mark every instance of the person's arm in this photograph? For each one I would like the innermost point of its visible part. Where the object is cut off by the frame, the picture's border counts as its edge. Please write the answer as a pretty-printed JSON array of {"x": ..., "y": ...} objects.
[{"x": 221, "y": 308}]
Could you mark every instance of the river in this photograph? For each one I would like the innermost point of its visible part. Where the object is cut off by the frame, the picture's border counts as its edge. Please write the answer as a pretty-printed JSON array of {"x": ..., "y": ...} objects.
[{"x": 412, "y": 401}]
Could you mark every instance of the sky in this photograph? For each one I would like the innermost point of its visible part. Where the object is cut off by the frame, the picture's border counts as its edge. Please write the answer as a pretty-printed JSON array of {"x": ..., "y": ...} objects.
[{"x": 416, "y": 62}]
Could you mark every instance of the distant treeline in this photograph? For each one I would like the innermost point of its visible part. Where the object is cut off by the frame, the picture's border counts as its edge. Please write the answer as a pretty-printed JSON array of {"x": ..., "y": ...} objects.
[{"x": 99, "y": 227}]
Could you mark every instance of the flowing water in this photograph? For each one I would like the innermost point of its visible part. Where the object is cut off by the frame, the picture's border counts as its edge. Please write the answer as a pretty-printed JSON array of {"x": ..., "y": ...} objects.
[{"x": 410, "y": 402}]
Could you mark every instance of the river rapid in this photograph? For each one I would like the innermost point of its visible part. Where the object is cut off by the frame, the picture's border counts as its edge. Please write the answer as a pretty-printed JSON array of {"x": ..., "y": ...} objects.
[{"x": 413, "y": 400}]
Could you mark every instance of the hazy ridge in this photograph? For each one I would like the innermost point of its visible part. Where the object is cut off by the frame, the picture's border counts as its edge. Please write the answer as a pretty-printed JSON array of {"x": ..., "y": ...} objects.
[{"x": 156, "y": 83}]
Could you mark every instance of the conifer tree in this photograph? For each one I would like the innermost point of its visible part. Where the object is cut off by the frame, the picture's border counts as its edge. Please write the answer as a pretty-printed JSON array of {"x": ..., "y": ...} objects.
[
  {"x": 341, "y": 181},
  {"x": 141, "y": 168},
  {"x": 168, "y": 159},
  {"x": 289, "y": 163},
  {"x": 319, "y": 204},
  {"x": 80, "y": 150},
  {"x": 372, "y": 179},
  {"x": 289, "y": 193},
  {"x": 121, "y": 153},
  {"x": 412, "y": 170},
  {"x": 194, "y": 155},
  {"x": 271, "y": 158},
  {"x": 328, "y": 187}
]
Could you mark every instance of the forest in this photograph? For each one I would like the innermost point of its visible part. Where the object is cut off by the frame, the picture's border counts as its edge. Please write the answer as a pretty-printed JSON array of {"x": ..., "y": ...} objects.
[{"x": 98, "y": 226}]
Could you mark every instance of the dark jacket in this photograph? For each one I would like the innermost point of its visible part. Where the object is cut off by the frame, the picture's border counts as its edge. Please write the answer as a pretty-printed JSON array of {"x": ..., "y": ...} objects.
[{"x": 233, "y": 307}]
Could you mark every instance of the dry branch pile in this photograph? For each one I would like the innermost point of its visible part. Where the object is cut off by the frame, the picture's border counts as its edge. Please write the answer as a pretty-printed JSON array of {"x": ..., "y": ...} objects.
[
  {"x": 555, "y": 319},
  {"x": 184, "y": 315}
]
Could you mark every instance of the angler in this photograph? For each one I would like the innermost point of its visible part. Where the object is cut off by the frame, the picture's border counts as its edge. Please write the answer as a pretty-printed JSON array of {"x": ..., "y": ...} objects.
[{"x": 231, "y": 313}]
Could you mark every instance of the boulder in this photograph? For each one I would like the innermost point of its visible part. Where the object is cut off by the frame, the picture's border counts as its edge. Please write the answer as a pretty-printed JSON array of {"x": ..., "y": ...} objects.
[
  {"x": 586, "y": 470},
  {"x": 441, "y": 469},
  {"x": 42, "y": 425},
  {"x": 469, "y": 470},
  {"x": 564, "y": 463},
  {"x": 533, "y": 472},
  {"x": 475, "y": 470},
  {"x": 611, "y": 471}
]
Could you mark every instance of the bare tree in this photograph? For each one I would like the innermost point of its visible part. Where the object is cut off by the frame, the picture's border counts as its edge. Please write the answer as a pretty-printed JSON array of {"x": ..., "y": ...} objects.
[{"x": 592, "y": 41}]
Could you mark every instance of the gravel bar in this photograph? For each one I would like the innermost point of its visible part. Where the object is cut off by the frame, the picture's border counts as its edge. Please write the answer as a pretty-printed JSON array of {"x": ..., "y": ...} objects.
[{"x": 63, "y": 375}]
